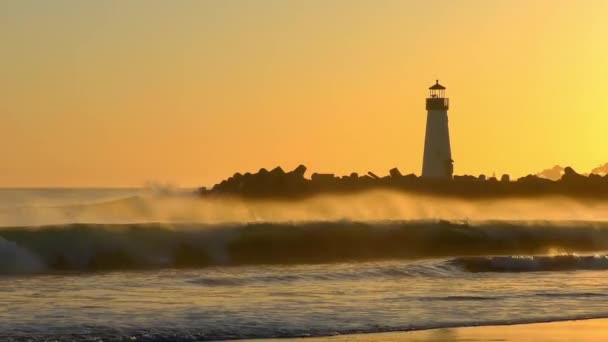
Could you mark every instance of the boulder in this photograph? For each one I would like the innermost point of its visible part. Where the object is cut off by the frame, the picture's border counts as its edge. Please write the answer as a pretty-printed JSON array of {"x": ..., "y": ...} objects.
[
  {"x": 572, "y": 176},
  {"x": 411, "y": 176},
  {"x": 568, "y": 171},
  {"x": 533, "y": 179},
  {"x": 465, "y": 178},
  {"x": 322, "y": 177},
  {"x": 373, "y": 175},
  {"x": 277, "y": 171},
  {"x": 299, "y": 171},
  {"x": 395, "y": 173}
]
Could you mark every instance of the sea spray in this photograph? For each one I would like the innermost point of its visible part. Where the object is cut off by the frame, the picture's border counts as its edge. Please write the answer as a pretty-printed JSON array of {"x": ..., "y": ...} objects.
[{"x": 364, "y": 206}]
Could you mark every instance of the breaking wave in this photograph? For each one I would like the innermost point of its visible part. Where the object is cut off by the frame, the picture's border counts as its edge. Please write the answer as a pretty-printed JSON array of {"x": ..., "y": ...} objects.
[
  {"x": 15, "y": 259},
  {"x": 568, "y": 262},
  {"x": 92, "y": 247}
]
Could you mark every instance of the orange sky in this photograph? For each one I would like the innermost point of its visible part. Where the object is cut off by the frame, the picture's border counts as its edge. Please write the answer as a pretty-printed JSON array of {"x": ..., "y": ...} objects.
[{"x": 119, "y": 93}]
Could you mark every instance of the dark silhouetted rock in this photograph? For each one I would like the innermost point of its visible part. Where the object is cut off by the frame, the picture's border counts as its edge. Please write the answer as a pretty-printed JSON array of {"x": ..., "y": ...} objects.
[
  {"x": 466, "y": 178},
  {"x": 322, "y": 177},
  {"x": 533, "y": 179},
  {"x": 277, "y": 171},
  {"x": 395, "y": 173},
  {"x": 299, "y": 171},
  {"x": 411, "y": 176},
  {"x": 571, "y": 176},
  {"x": 277, "y": 183},
  {"x": 568, "y": 171},
  {"x": 595, "y": 177}
]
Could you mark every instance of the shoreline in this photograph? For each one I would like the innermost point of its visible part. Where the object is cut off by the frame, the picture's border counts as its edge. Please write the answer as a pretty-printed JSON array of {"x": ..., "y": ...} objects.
[{"x": 572, "y": 329}]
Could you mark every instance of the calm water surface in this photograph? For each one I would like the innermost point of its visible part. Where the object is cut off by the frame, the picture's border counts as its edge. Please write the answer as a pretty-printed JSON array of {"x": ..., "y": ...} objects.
[{"x": 246, "y": 302}]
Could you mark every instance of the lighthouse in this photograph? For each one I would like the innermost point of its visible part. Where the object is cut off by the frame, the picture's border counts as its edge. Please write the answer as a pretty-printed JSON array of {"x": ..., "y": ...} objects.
[{"x": 437, "y": 162}]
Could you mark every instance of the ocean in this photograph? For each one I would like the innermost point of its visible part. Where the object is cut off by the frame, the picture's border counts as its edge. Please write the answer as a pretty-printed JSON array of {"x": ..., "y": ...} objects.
[{"x": 109, "y": 265}]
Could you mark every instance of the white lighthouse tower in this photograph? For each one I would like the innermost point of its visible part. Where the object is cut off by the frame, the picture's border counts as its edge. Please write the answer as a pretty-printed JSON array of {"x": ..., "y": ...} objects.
[{"x": 437, "y": 161}]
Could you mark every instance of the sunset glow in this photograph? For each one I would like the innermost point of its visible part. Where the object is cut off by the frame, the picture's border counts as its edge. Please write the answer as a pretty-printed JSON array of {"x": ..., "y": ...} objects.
[{"x": 116, "y": 93}]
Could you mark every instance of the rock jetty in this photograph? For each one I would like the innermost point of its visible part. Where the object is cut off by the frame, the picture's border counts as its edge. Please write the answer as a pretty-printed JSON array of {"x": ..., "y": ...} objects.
[{"x": 279, "y": 184}]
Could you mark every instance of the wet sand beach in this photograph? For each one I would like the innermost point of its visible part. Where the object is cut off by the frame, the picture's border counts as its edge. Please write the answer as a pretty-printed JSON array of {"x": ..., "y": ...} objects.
[{"x": 582, "y": 330}]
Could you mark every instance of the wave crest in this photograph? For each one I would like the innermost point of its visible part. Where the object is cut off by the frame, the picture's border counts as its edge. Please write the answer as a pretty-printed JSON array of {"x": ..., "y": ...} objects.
[
  {"x": 16, "y": 259},
  {"x": 532, "y": 263},
  {"x": 86, "y": 247}
]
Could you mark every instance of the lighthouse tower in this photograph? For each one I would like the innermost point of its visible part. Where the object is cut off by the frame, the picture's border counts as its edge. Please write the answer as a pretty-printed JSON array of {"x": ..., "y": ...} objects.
[{"x": 437, "y": 161}]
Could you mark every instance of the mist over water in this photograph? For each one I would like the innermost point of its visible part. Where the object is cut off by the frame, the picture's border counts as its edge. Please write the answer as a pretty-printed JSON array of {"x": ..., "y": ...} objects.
[
  {"x": 96, "y": 230},
  {"x": 367, "y": 206}
]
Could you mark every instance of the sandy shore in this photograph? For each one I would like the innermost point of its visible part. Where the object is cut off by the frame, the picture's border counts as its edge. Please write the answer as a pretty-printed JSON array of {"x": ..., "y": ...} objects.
[{"x": 583, "y": 330}]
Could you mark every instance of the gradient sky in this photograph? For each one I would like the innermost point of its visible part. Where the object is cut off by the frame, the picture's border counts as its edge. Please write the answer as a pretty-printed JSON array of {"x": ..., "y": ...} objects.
[{"x": 119, "y": 93}]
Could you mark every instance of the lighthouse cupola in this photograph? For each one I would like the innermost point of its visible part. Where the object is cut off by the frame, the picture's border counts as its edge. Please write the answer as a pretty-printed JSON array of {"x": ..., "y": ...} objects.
[{"x": 437, "y": 99}]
